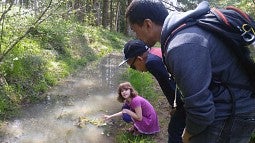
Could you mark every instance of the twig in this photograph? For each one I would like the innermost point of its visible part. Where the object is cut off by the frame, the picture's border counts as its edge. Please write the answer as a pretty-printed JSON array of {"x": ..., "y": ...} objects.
[{"x": 176, "y": 8}]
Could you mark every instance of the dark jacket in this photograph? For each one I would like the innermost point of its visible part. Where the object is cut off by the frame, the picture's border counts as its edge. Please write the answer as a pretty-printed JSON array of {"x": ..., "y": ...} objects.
[
  {"x": 156, "y": 67},
  {"x": 195, "y": 57}
]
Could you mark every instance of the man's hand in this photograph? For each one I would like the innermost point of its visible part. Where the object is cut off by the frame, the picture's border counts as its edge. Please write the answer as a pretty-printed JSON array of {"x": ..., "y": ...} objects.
[
  {"x": 172, "y": 111},
  {"x": 185, "y": 136}
]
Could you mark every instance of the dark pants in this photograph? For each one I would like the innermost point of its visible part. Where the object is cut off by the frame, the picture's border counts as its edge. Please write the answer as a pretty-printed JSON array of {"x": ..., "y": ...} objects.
[
  {"x": 233, "y": 130},
  {"x": 127, "y": 118},
  {"x": 176, "y": 126}
]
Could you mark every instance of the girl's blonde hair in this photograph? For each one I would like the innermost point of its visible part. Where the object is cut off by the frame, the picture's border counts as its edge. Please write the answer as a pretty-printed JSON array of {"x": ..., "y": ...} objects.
[{"x": 126, "y": 85}]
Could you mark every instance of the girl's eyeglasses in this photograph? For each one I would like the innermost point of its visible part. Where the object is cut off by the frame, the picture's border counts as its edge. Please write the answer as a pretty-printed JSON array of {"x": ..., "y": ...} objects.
[{"x": 132, "y": 64}]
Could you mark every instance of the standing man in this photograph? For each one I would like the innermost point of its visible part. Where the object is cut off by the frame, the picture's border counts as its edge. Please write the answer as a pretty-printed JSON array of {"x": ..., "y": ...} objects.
[
  {"x": 196, "y": 57},
  {"x": 142, "y": 58}
]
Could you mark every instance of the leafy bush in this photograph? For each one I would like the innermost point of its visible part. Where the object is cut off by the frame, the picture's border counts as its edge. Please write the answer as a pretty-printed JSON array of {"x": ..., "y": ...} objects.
[{"x": 8, "y": 106}]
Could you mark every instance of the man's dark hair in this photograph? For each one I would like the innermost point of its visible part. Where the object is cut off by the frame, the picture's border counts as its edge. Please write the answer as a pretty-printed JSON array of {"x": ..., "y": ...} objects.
[{"x": 139, "y": 10}]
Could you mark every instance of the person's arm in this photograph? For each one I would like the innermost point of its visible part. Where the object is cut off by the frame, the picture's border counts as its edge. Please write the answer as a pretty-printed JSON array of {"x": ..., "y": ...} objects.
[
  {"x": 157, "y": 68},
  {"x": 191, "y": 65},
  {"x": 107, "y": 117},
  {"x": 137, "y": 115}
]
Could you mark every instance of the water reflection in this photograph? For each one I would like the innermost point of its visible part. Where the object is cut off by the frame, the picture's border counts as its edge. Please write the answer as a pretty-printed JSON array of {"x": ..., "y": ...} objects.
[
  {"x": 109, "y": 69},
  {"x": 72, "y": 111}
]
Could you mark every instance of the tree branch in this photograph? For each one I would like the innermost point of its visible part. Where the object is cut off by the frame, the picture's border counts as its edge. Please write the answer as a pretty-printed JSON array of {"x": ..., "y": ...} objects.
[
  {"x": 2, "y": 24},
  {"x": 176, "y": 8},
  {"x": 8, "y": 9},
  {"x": 35, "y": 24}
]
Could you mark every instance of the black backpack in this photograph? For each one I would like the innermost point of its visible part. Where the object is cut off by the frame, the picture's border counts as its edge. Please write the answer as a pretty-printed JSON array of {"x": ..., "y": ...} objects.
[{"x": 231, "y": 24}]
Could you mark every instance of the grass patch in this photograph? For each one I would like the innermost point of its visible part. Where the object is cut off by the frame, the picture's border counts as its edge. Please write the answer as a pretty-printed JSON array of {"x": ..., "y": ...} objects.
[
  {"x": 129, "y": 138},
  {"x": 144, "y": 83}
]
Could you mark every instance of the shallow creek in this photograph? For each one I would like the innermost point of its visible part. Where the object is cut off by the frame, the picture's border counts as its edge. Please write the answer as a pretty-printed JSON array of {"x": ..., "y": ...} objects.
[{"x": 72, "y": 111}]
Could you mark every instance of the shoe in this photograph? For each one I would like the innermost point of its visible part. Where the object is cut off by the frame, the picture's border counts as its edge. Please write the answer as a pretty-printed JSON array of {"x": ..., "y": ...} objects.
[
  {"x": 131, "y": 129},
  {"x": 136, "y": 133}
]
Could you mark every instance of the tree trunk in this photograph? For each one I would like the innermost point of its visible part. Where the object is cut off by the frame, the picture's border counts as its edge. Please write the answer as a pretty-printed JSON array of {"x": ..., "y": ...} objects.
[
  {"x": 128, "y": 30},
  {"x": 78, "y": 6},
  {"x": 122, "y": 19},
  {"x": 97, "y": 13},
  {"x": 111, "y": 15},
  {"x": 105, "y": 13},
  {"x": 117, "y": 16},
  {"x": 35, "y": 7}
]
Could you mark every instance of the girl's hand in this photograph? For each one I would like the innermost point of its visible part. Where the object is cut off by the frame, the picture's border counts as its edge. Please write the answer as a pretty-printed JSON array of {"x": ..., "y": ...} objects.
[{"x": 107, "y": 117}]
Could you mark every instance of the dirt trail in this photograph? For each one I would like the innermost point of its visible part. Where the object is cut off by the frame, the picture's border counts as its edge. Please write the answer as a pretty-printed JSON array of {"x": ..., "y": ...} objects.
[{"x": 72, "y": 110}]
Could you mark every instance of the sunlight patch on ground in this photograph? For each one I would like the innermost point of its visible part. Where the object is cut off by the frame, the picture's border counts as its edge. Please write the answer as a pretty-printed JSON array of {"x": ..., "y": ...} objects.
[{"x": 84, "y": 83}]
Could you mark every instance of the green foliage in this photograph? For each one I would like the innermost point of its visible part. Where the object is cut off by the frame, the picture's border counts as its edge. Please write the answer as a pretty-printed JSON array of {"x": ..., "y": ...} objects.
[
  {"x": 246, "y": 5},
  {"x": 13, "y": 27},
  {"x": 142, "y": 82},
  {"x": 8, "y": 102},
  {"x": 101, "y": 45},
  {"x": 24, "y": 68},
  {"x": 252, "y": 140}
]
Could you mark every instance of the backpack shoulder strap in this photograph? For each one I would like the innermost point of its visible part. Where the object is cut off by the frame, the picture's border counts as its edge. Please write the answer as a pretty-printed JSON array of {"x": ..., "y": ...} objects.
[
  {"x": 221, "y": 16},
  {"x": 171, "y": 24}
]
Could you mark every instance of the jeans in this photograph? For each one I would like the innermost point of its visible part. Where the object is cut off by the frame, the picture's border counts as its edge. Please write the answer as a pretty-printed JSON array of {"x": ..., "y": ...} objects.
[
  {"x": 237, "y": 129},
  {"x": 127, "y": 118},
  {"x": 176, "y": 126}
]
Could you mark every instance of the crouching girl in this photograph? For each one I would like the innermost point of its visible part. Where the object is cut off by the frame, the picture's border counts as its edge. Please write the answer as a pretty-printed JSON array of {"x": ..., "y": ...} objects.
[{"x": 136, "y": 110}]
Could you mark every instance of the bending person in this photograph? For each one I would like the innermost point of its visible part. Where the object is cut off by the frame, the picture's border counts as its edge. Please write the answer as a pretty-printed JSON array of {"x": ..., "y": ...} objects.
[{"x": 197, "y": 59}]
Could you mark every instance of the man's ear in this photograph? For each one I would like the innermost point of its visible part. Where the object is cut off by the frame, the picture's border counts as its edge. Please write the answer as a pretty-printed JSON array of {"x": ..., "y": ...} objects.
[
  {"x": 148, "y": 23},
  {"x": 140, "y": 58}
]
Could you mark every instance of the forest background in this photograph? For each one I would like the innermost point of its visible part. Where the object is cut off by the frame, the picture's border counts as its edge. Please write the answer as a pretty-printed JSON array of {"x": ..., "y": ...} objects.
[{"x": 44, "y": 41}]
